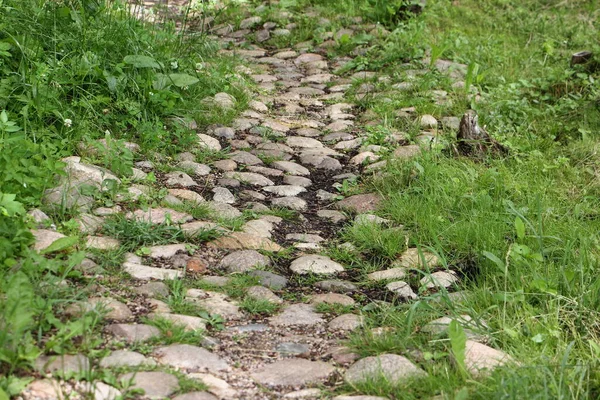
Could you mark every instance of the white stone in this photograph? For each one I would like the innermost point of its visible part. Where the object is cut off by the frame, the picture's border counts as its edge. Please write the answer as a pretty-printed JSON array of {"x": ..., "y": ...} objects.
[
  {"x": 315, "y": 264},
  {"x": 285, "y": 190},
  {"x": 208, "y": 142}
]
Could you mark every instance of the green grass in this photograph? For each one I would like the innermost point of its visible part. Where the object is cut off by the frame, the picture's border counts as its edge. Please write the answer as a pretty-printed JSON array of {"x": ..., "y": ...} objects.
[
  {"x": 258, "y": 307},
  {"x": 335, "y": 309},
  {"x": 172, "y": 334},
  {"x": 73, "y": 72},
  {"x": 522, "y": 231},
  {"x": 134, "y": 233}
]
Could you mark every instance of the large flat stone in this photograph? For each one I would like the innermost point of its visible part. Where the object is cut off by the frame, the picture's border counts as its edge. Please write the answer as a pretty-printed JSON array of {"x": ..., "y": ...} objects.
[
  {"x": 242, "y": 240},
  {"x": 216, "y": 386},
  {"x": 125, "y": 358},
  {"x": 166, "y": 251},
  {"x": 114, "y": 309},
  {"x": 360, "y": 203},
  {"x": 250, "y": 178},
  {"x": 345, "y": 322},
  {"x": 315, "y": 264},
  {"x": 143, "y": 272},
  {"x": 291, "y": 168},
  {"x": 269, "y": 279},
  {"x": 64, "y": 364},
  {"x": 188, "y": 322},
  {"x": 480, "y": 359},
  {"x": 195, "y": 396},
  {"x": 391, "y": 367},
  {"x": 44, "y": 389},
  {"x": 291, "y": 202},
  {"x": 293, "y": 372},
  {"x": 244, "y": 260},
  {"x": 132, "y": 333},
  {"x": 160, "y": 216},
  {"x": 386, "y": 274},
  {"x": 419, "y": 259},
  {"x": 156, "y": 385},
  {"x": 189, "y": 357},
  {"x": 215, "y": 303},
  {"x": 297, "y": 314}
]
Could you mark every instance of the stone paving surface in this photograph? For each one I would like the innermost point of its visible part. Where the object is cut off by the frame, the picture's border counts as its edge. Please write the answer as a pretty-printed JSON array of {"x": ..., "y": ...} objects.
[{"x": 316, "y": 141}]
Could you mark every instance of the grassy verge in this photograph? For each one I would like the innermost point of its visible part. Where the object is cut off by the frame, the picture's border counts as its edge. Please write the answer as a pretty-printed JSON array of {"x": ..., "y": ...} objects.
[
  {"x": 523, "y": 230},
  {"x": 73, "y": 72}
]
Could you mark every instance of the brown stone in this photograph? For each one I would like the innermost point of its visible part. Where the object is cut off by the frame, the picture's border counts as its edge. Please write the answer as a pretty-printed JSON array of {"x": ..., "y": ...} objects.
[
  {"x": 242, "y": 240},
  {"x": 197, "y": 265},
  {"x": 361, "y": 203}
]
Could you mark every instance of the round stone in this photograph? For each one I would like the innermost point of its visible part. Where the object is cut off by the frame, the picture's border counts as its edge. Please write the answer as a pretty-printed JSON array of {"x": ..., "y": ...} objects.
[
  {"x": 225, "y": 165},
  {"x": 263, "y": 293},
  {"x": 401, "y": 289},
  {"x": 224, "y": 132},
  {"x": 428, "y": 121},
  {"x": 440, "y": 279},
  {"x": 270, "y": 280},
  {"x": 480, "y": 359},
  {"x": 293, "y": 203},
  {"x": 360, "y": 203},
  {"x": 416, "y": 258},
  {"x": 345, "y": 322},
  {"x": 223, "y": 195},
  {"x": 244, "y": 260}
]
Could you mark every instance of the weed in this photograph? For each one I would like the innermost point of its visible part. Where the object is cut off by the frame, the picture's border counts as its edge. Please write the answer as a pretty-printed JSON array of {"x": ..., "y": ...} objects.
[
  {"x": 173, "y": 333},
  {"x": 257, "y": 307},
  {"x": 178, "y": 301},
  {"x": 187, "y": 384},
  {"x": 377, "y": 239},
  {"x": 336, "y": 309},
  {"x": 136, "y": 233}
]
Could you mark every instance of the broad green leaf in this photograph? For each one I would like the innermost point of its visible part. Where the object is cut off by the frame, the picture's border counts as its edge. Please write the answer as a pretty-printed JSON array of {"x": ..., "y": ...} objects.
[
  {"x": 520, "y": 228},
  {"x": 111, "y": 81},
  {"x": 3, "y": 395},
  {"x": 511, "y": 332},
  {"x": 61, "y": 244},
  {"x": 17, "y": 385},
  {"x": 498, "y": 262},
  {"x": 595, "y": 348},
  {"x": 539, "y": 338},
  {"x": 9, "y": 206},
  {"x": 141, "y": 61},
  {"x": 183, "y": 80},
  {"x": 160, "y": 82},
  {"x": 462, "y": 394},
  {"x": 458, "y": 340}
]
